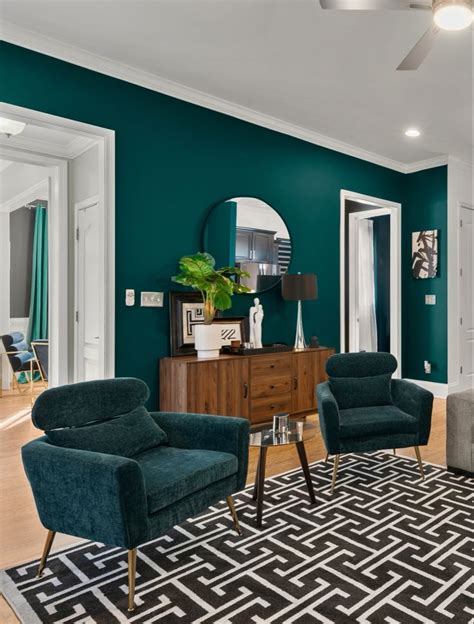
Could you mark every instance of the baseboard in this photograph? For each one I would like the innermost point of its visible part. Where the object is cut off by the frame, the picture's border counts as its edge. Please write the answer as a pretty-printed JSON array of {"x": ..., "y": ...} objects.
[{"x": 439, "y": 390}]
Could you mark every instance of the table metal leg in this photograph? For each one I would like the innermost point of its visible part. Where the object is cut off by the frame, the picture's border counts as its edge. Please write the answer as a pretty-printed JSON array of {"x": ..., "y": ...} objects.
[
  {"x": 305, "y": 467},
  {"x": 255, "y": 485},
  {"x": 261, "y": 484}
]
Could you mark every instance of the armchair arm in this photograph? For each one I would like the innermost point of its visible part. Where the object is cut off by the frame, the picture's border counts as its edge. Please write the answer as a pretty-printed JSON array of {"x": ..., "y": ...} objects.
[
  {"x": 415, "y": 401},
  {"x": 328, "y": 417},
  {"x": 212, "y": 433},
  {"x": 91, "y": 495}
]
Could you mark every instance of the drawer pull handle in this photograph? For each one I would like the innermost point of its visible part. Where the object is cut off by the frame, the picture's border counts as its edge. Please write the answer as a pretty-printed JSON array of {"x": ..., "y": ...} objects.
[
  {"x": 295, "y": 386},
  {"x": 246, "y": 390},
  {"x": 272, "y": 387},
  {"x": 272, "y": 365}
]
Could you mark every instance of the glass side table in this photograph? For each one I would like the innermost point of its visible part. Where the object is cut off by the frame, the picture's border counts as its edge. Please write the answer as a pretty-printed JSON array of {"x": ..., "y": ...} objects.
[{"x": 264, "y": 440}]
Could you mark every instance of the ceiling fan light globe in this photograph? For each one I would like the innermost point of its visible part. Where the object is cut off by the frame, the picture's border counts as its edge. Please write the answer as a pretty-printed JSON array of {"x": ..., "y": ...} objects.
[{"x": 453, "y": 14}]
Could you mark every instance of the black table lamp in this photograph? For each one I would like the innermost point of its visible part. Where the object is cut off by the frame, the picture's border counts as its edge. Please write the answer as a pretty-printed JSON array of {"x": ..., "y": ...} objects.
[{"x": 299, "y": 287}]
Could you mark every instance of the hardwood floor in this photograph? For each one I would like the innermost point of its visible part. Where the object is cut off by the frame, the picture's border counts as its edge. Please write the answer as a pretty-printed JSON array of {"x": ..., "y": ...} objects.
[{"x": 21, "y": 533}]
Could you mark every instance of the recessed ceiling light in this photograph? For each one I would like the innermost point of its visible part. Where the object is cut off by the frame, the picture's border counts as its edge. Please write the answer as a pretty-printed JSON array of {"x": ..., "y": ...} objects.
[
  {"x": 452, "y": 14},
  {"x": 412, "y": 133},
  {"x": 10, "y": 127}
]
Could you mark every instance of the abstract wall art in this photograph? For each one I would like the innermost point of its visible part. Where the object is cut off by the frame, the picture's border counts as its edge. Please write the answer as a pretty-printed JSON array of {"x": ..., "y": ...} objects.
[{"x": 424, "y": 254}]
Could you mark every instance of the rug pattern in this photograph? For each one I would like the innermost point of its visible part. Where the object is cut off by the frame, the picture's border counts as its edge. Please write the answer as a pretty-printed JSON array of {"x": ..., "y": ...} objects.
[{"x": 386, "y": 547}]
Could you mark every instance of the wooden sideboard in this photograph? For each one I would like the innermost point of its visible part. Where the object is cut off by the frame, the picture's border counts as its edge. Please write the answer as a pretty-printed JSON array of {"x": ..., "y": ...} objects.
[{"x": 252, "y": 386}]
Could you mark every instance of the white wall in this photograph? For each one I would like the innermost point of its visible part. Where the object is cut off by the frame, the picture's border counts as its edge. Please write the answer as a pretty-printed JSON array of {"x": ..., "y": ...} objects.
[
  {"x": 83, "y": 180},
  {"x": 18, "y": 177},
  {"x": 460, "y": 190}
]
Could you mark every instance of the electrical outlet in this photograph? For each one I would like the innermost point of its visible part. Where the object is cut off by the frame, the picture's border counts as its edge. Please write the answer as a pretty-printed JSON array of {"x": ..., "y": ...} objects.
[
  {"x": 430, "y": 299},
  {"x": 427, "y": 366},
  {"x": 151, "y": 299},
  {"x": 129, "y": 297}
]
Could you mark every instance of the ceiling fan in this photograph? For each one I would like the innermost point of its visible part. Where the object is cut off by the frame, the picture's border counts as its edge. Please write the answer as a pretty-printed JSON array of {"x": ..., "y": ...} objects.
[{"x": 447, "y": 15}]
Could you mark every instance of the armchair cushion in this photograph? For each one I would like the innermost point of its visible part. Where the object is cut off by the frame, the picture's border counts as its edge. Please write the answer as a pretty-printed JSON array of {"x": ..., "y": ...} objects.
[
  {"x": 172, "y": 473},
  {"x": 127, "y": 435},
  {"x": 353, "y": 392},
  {"x": 374, "y": 421}
]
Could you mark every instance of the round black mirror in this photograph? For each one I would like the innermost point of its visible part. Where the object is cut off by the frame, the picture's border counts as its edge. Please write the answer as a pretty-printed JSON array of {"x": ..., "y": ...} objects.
[{"x": 248, "y": 233}]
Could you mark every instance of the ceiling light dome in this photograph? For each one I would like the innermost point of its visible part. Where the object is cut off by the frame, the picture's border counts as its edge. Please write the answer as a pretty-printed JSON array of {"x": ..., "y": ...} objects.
[
  {"x": 453, "y": 14},
  {"x": 10, "y": 127}
]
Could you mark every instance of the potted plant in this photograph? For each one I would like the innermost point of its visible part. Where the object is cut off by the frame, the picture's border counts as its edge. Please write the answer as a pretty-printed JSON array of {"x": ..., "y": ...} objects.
[{"x": 216, "y": 287}]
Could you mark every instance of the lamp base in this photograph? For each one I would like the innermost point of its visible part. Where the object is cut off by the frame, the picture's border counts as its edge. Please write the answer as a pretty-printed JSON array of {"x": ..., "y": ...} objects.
[{"x": 300, "y": 342}]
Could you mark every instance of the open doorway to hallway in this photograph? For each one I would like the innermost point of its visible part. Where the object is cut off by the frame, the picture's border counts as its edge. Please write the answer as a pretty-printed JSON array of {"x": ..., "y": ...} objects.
[
  {"x": 74, "y": 168},
  {"x": 370, "y": 274}
]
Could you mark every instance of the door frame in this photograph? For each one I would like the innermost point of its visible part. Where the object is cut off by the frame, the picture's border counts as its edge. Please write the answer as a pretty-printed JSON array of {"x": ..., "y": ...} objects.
[
  {"x": 57, "y": 177},
  {"x": 83, "y": 205},
  {"x": 394, "y": 209},
  {"x": 61, "y": 368},
  {"x": 462, "y": 383}
]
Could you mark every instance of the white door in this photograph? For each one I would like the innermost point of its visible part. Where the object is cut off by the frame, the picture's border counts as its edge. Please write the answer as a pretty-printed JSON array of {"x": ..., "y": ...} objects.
[
  {"x": 87, "y": 305},
  {"x": 466, "y": 290}
]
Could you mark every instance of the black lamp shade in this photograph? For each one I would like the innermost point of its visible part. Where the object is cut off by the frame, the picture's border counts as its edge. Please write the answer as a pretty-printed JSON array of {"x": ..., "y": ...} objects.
[{"x": 300, "y": 287}]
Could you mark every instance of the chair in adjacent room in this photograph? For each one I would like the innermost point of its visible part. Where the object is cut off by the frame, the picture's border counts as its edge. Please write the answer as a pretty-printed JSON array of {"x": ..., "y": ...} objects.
[
  {"x": 110, "y": 471},
  {"x": 20, "y": 358},
  {"x": 361, "y": 408}
]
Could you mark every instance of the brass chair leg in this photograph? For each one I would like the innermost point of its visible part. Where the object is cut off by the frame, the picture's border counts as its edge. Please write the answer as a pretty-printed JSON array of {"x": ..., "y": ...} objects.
[
  {"x": 394, "y": 451},
  {"x": 233, "y": 513},
  {"x": 420, "y": 463},
  {"x": 132, "y": 570},
  {"x": 47, "y": 547},
  {"x": 327, "y": 458},
  {"x": 334, "y": 472}
]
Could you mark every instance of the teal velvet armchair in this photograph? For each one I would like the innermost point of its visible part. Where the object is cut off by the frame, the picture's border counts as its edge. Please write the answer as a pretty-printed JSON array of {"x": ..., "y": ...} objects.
[
  {"x": 361, "y": 408},
  {"x": 110, "y": 471}
]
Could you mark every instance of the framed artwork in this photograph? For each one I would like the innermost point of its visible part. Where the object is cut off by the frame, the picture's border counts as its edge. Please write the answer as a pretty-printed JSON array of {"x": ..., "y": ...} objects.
[
  {"x": 424, "y": 254},
  {"x": 232, "y": 328},
  {"x": 186, "y": 311}
]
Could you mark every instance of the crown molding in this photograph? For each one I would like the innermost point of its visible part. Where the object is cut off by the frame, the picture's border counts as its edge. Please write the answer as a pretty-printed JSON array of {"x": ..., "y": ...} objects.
[
  {"x": 74, "y": 148},
  {"x": 77, "y": 56}
]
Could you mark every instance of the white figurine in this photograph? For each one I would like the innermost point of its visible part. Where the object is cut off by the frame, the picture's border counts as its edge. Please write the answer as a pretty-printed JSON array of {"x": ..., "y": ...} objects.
[
  {"x": 252, "y": 311},
  {"x": 257, "y": 330}
]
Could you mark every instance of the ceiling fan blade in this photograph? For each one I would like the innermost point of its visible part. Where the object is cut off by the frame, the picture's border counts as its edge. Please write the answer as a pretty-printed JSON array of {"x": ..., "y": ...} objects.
[
  {"x": 368, "y": 5},
  {"x": 420, "y": 50}
]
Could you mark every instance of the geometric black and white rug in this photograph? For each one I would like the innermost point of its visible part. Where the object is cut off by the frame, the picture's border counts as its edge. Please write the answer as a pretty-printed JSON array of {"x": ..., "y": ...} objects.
[{"x": 386, "y": 548}]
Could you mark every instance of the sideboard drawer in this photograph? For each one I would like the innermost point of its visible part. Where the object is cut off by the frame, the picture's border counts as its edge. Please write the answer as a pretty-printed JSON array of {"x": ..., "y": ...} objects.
[
  {"x": 271, "y": 365},
  {"x": 264, "y": 409},
  {"x": 266, "y": 387}
]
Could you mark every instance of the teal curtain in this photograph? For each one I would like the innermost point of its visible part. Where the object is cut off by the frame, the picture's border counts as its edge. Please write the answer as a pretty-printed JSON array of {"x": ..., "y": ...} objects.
[{"x": 38, "y": 319}]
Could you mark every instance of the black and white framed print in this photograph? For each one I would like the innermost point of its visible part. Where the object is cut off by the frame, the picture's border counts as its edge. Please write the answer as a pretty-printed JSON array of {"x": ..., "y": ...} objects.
[
  {"x": 186, "y": 311},
  {"x": 232, "y": 328},
  {"x": 424, "y": 255}
]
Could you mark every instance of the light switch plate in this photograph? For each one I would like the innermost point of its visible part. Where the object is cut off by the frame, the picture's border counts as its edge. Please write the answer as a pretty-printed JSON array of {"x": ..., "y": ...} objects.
[
  {"x": 129, "y": 297},
  {"x": 430, "y": 299},
  {"x": 151, "y": 299}
]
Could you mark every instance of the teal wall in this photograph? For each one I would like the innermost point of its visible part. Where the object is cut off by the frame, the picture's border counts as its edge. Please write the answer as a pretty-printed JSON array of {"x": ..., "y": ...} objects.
[
  {"x": 425, "y": 327},
  {"x": 170, "y": 171}
]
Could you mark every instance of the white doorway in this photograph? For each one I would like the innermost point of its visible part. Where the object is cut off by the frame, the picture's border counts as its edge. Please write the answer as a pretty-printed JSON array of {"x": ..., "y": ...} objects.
[
  {"x": 360, "y": 326},
  {"x": 88, "y": 336},
  {"x": 69, "y": 142},
  {"x": 466, "y": 296}
]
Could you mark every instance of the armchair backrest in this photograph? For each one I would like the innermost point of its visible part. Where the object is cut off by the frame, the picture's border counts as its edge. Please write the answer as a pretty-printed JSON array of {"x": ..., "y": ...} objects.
[
  {"x": 17, "y": 349},
  {"x": 88, "y": 402},
  {"x": 361, "y": 379},
  {"x": 364, "y": 364}
]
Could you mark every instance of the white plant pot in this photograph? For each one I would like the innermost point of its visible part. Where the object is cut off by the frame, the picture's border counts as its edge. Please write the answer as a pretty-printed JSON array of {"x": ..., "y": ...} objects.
[{"x": 207, "y": 340}]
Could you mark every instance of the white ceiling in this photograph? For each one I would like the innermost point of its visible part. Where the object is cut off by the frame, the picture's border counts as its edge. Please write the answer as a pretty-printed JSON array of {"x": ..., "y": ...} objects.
[{"x": 332, "y": 73}]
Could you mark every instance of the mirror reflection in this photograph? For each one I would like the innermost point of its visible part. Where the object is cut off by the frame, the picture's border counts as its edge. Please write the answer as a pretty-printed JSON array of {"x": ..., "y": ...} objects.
[{"x": 248, "y": 233}]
